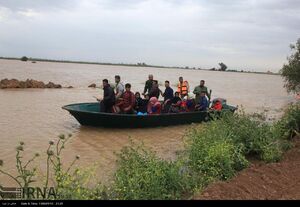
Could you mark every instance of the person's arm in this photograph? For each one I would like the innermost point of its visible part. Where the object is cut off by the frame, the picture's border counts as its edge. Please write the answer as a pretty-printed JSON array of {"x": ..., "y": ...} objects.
[
  {"x": 105, "y": 95},
  {"x": 196, "y": 91},
  {"x": 120, "y": 91},
  {"x": 188, "y": 86},
  {"x": 207, "y": 94},
  {"x": 145, "y": 88},
  {"x": 178, "y": 88}
]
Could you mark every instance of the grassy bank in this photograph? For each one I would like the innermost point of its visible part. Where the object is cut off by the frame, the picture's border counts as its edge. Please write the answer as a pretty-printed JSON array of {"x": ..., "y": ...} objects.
[{"x": 213, "y": 151}]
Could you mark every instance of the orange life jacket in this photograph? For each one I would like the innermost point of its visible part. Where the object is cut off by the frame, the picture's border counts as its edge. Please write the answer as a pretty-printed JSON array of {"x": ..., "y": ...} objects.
[{"x": 182, "y": 89}]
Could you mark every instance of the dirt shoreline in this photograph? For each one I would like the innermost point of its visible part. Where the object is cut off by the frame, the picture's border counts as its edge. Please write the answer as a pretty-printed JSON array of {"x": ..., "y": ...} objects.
[{"x": 276, "y": 181}]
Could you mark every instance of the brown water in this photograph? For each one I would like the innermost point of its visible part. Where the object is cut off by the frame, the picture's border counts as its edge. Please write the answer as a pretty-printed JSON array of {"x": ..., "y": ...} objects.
[{"x": 35, "y": 115}]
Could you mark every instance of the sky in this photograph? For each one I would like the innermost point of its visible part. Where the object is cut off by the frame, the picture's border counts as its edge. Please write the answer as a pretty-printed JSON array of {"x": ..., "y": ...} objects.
[{"x": 244, "y": 34}]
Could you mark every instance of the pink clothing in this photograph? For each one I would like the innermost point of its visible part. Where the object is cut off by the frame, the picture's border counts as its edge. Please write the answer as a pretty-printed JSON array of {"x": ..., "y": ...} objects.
[{"x": 154, "y": 106}]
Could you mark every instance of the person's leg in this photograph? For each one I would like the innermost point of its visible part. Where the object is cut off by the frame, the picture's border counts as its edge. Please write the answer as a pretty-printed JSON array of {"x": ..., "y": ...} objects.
[
  {"x": 108, "y": 108},
  {"x": 102, "y": 106}
]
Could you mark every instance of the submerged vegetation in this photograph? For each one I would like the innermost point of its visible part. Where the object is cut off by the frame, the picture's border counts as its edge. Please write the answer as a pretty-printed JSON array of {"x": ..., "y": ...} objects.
[{"x": 214, "y": 151}]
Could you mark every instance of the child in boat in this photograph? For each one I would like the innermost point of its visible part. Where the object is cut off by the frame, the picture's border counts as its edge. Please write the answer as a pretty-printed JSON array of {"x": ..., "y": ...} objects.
[
  {"x": 141, "y": 104},
  {"x": 175, "y": 103},
  {"x": 187, "y": 104},
  {"x": 217, "y": 106},
  {"x": 203, "y": 102},
  {"x": 154, "y": 106}
]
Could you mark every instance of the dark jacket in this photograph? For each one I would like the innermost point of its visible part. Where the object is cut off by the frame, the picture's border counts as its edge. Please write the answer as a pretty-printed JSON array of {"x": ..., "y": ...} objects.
[
  {"x": 175, "y": 100},
  {"x": 154, "y": 92},
  {"x": 109, "y": 97},
  {"x": 168, "y": 94},
  {"x": 141, "y": 105},
  {"x": 148, "y": 86}
]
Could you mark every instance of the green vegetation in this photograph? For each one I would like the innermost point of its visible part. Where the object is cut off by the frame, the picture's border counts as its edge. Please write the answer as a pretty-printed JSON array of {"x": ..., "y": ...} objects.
[
  {"x": 213, "y": 151},
  {"x": 142, "y": 175},
  {"x": 24, "y": 58},
  {"x": 68, "y": 183},
  {"x": 223, "y": 67},
  {"x": 291, "y": 71}
]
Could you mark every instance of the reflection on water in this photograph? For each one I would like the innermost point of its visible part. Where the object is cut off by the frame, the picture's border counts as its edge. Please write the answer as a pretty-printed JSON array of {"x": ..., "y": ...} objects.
[{"x": 35, "y": 115}]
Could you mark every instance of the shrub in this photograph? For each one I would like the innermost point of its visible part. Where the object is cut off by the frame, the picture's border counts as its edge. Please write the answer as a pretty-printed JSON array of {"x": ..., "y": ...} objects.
[
  {"x": 142, "y": 175},
  {"x": 290, "y": 122},
  {"x": 24, "y": 58},
  {"x": 78, "y": 186},
  {"x": 213, "y": 153},
  {"x": 69, "y": 183},
  {"x": 258, "y": 138}
]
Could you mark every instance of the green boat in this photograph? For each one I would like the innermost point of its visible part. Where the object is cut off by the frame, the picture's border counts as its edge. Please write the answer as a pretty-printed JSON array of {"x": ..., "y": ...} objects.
[{"x": 89, "y": 114}]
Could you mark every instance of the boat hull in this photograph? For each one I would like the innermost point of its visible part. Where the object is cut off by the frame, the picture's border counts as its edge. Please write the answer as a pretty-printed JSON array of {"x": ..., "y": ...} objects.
[{"x": 88, "y": 114}]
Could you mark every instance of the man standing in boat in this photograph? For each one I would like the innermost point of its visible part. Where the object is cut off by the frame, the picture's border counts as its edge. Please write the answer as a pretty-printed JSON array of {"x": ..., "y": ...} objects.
[
  {"x": 109, "y": 97},
  {"x": 119, "y": 87},
  {"x": 201, "y": 88},
  {"x": 148, "y": 85},
  {"x": 183, "y": 87}
]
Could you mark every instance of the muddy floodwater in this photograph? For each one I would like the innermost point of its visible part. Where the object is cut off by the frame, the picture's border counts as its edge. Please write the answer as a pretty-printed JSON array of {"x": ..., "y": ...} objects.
[{"x": 35, "y": 116}]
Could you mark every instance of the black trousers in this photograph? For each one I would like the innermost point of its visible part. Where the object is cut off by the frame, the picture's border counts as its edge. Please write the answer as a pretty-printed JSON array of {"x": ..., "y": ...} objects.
[{"x": 106, "y": 107}]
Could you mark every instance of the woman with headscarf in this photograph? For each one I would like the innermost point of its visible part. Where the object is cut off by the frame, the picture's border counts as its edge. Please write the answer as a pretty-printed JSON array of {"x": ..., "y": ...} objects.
[{"x": 154, "y": 106}]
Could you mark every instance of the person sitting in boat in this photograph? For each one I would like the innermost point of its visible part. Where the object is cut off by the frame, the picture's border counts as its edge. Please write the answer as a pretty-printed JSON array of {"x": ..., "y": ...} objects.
[
  {"x": 141, "y": 104},
  {"x": 119, "y": 87},
  {"x": 217, "y": 106},
  {"x": 175, "y": 103},
  {"x": 127, "y": 101},
  {"x": 154, "y": 106},
  {"x": 148, "y": 84},
  {"x": 203, "y": 102},
  {"x": 183, "y": 87},
  {"x": 168, "y": 96},
  {"x": 109, "y": 98},
  {"x": 155, "y": 91},
  {"x": 187, "y": 104}
]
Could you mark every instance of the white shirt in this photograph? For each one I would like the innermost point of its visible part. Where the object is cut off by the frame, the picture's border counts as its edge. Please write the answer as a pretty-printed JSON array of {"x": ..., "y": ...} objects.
[{"x": 119, "y": 90}]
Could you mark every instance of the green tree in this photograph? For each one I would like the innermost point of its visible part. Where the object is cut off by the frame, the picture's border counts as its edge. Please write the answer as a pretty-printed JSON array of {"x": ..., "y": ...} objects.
[
  {"x": 223, "y": 67},
  {"x": 291, "y": 71},
  {"x": 24, "y": 58}
]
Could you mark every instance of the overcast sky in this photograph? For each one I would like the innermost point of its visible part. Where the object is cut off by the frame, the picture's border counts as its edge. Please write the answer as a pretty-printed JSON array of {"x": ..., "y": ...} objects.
[{"x": 244, "y": 34}]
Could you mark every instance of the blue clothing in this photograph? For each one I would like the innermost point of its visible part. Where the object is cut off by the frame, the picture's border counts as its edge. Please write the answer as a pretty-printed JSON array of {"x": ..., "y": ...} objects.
[
  {"x": 168, "y": 94},
  {"x": 141, "y": 113},
  {"x": 203, "y": 102}
]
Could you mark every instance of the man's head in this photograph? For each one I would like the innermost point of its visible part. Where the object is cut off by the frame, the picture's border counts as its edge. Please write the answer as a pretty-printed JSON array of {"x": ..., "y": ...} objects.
[
  {"x": 104, "y": 82},
  {"x": 117, "y": 79},
  {"x": 150, "y": 77},
  {"x": 202, "y": 94},
  {"x": 176, "y": 94},
  {"x": 127, "y": 87},
  {"x": 167, "y": 83},
  {"x": 180, "y": 79},
  {"x": 202, "y": 82}
]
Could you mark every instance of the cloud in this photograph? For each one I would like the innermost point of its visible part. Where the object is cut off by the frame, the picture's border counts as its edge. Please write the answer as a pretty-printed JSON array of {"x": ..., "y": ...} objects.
[{"x": 250, "y": 33}]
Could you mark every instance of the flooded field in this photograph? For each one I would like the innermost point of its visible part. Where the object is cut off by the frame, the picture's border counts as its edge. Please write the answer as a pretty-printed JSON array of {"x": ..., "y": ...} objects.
[{"x": 35, "y": 116}]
